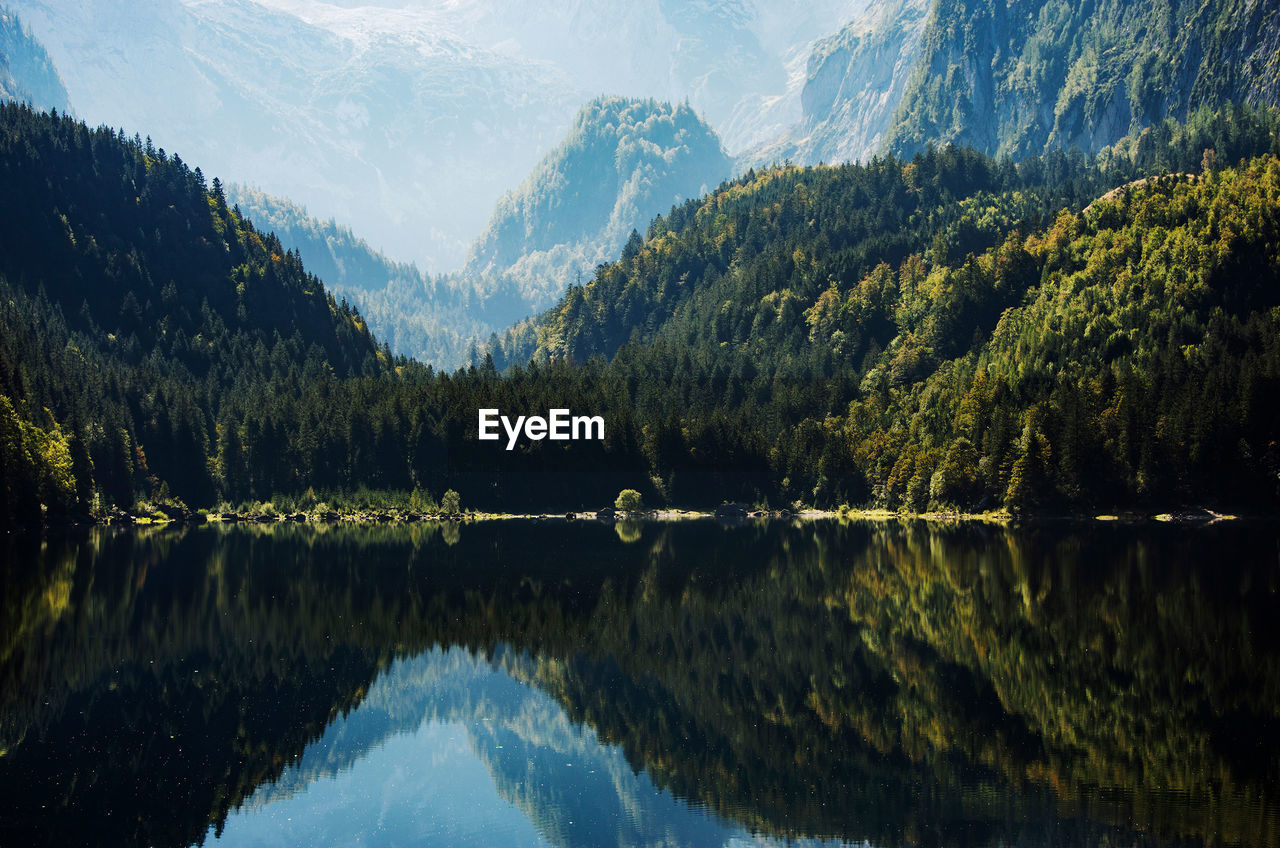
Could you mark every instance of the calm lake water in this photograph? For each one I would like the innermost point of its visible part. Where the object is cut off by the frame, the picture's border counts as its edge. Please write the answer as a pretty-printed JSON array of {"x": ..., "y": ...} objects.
[{"x": 522, "y": 683}]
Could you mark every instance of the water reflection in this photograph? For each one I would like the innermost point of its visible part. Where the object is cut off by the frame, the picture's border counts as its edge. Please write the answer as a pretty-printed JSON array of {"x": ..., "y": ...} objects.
[
  {"x": 449, "y": 748},
  {"x": 892, "y": 682}
]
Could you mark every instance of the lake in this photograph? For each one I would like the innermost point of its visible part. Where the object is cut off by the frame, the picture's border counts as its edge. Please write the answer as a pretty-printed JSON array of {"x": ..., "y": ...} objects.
[{"x": 891, "y": 682}]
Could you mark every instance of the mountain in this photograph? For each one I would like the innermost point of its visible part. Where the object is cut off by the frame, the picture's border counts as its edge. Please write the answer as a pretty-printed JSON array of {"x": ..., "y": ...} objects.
[
  {"x": 1018, "y": 78},
  {"x": 407, "y": 121},
  {"x": 623, "y": 162},
  {"x": 27, "y": 73},
  {"x": 734, "y": 61},
  {"x": 382, "y": 120}
]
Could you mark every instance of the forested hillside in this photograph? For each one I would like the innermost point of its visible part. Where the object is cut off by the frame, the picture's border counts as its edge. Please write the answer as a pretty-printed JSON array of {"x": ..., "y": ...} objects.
[
  {"x": 135, "y": 305},
  {"x": 949, "y": 331},
  {"x": 946, "y": 331},
  {"x": 789, "y": 233}
]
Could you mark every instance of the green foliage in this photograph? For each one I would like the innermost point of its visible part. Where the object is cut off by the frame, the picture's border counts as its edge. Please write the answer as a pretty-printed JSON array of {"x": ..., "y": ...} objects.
[
  {"x": 629, "y": 500},
  {"x": 1143, "y": 366},
  {"x": 890, "y": 333},
  {"x": 35, "y": 469},
  {"x": 451, "y": 503}
]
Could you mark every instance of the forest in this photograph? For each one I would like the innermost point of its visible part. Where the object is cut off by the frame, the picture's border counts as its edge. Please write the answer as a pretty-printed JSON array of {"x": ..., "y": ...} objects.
[{"x": 950, "y": 331}]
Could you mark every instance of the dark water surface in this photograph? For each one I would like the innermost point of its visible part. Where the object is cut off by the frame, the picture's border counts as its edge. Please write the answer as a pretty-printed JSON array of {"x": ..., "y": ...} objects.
[{"x": 522, "y": 683}]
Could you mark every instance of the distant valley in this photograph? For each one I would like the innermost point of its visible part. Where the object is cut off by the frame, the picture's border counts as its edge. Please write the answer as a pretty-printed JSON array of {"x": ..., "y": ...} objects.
[
  {"x": 434, "y": 319},
  {"x": 623, "y": 162}
]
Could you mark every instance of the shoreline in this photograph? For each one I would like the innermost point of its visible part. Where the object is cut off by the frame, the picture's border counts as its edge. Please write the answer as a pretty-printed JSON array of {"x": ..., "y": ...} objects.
[{"x": 1200, "y": 516}]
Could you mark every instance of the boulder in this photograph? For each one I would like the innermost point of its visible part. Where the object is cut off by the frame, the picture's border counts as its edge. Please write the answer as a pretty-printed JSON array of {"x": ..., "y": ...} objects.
[{"x": 731, "y": 510}]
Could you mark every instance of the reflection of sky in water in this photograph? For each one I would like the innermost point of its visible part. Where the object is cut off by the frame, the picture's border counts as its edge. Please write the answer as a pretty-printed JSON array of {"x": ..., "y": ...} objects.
[{"x": 448, "y": 749}]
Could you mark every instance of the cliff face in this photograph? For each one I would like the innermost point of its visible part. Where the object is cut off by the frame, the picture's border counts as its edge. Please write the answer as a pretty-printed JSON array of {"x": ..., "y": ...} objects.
[
  {"x": 1021, "y": 76},
  {"x": 854, "y": 81},
  {"x": 26, "y": 71},
  {"x": 1018, "y": 77}
]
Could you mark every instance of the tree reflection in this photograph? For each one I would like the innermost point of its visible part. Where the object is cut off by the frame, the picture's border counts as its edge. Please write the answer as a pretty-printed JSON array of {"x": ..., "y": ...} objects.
[{"x": 896, "y": 682}]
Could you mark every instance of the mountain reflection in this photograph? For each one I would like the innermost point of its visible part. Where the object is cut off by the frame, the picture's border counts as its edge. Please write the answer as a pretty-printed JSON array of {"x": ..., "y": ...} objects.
[
  {"x": 559, "y": 785},
  {"x": 891, "y": 682}
]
